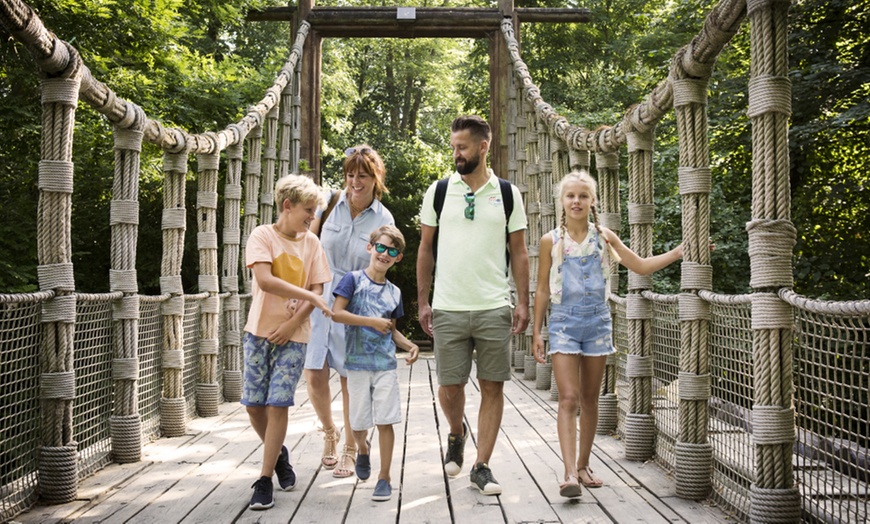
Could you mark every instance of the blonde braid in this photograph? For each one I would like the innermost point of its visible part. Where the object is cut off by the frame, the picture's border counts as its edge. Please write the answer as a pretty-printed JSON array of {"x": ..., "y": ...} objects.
[{"x": 560, "y": 244}]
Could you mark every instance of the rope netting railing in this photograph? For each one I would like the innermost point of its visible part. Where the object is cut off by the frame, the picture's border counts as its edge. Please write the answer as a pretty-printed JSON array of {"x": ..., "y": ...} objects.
[
  {"x": 707, "y": 384},
  {"x": 757, "y": 401},
  {"x": 96, "y": 375}
]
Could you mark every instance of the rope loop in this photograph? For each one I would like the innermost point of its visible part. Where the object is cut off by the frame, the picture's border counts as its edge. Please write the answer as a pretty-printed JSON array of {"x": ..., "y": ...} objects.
[
  {"x": 694, "y": 387},
  {"x": 124, "y": 280},
  {"x": 59, "y": 386},
  {"x": 56, "y": 176},
  {"x": 57, "y": 277},
  {"x": 638, "y": 366},
  {"x": 60, "y": 91},
  {"x": 771, "y": 312},
  {"x": 59, "y": 309},
  {"x": 694, "y": 180},
  {"x": 769, "y": 94},
  {"x": 689, "y": 91},
  {"x": 773, "y": 425}
]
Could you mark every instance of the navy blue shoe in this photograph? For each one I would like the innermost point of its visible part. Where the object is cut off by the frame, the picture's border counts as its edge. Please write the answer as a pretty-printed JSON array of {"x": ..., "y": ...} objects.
[
  {"x": 262, "y": 497},
  {"x": 284, "y": 471},
  {"x": 383, "y": 491},
  {"x": 363, "y": 466}
]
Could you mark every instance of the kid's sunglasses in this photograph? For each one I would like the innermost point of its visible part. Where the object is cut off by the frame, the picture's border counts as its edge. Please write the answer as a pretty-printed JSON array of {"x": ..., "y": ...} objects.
[{"x": 380, "y": 248}]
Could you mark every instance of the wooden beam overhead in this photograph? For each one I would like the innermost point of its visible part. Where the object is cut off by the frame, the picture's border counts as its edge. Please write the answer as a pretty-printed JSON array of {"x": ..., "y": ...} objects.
[{"x": 381, "y": 22}]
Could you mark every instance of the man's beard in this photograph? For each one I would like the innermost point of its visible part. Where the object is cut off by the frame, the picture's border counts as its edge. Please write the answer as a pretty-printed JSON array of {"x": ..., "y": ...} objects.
[{"x": 469, "y": 166}]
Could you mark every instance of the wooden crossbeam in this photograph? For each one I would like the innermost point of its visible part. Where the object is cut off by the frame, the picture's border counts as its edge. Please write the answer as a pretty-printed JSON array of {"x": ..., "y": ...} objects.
[{"x": 398, "y": 22}]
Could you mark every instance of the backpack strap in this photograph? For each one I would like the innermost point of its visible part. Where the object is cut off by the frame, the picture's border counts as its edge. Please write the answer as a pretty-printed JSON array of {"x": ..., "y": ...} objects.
[
  {"x": 333, "y": 200},
  {"x": 438, "y": 204}
]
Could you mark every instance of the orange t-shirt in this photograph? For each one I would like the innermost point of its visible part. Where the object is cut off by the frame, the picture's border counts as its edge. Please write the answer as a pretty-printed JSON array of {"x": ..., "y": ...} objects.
[{"x": 299, "y": 261}]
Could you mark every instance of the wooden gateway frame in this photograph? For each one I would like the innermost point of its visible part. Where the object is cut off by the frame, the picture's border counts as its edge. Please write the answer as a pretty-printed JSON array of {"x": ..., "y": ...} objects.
[{"x": 409, "y": 22}]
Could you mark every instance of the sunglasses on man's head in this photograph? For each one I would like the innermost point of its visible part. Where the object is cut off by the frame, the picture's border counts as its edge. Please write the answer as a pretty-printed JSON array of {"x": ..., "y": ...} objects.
[
  {"x": 469, "y": 209},
  {"x": 392, "y": 251},
  {"x": 363, "y": 151}
]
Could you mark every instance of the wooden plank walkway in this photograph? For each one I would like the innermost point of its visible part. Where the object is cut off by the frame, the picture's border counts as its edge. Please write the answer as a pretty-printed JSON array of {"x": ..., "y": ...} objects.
[{"x": 205, "y": 476}]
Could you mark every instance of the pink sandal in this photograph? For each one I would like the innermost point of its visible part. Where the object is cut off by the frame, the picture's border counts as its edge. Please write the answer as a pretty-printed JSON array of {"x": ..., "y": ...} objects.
[{"x": 330, "y": 441}]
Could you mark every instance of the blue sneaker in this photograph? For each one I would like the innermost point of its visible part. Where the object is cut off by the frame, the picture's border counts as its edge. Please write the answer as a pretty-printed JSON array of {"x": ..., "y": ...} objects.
[
  {"x": 383, "y": 491},
  {"x": 262, "y": 498},
  {"x": 284, "y": 471},
  {"x": 363, "y": 466}
]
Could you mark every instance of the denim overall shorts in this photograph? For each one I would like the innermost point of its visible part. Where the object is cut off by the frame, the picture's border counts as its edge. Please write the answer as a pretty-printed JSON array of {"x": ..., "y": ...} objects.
[{"x": 581, "y": 324}]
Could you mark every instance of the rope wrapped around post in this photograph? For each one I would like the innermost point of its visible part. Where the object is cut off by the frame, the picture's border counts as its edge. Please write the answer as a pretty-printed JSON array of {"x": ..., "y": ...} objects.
[
  {"x": 125, "y": 422},
  {"x": 639, "y": 424},
  {"x": 207, "y": 389},
  {"x": 232, "y": 368},
  {"x": 693, "y": 451},
  {"x": 172, "y": 404},
  {"x": 58, "y": 467},
  {"x": 773, "y": 495}
]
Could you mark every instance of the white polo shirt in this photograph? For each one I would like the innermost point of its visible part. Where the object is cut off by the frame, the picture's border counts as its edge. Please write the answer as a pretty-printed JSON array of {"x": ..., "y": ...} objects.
[{"x": 471, "y": 271}]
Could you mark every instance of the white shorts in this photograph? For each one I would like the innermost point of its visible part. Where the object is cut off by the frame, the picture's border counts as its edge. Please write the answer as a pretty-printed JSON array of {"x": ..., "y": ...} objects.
[{"x": 374, "y": 398}]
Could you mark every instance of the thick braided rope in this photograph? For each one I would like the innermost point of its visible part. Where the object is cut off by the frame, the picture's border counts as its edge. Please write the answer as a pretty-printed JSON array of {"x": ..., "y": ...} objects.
[
  {"x": 251, "y": 207},
  {"x": 771, "y": 235},
  {"x": 529, "y": 368},
  {"x": 58, "y": 466},
  {"x": 543, "y": 375},
  {"x": 58, "y": 473},
  {"x": 720, "y": 26},
  {"x": 206, "y": 238},
  {"x": 693, "y": 451},
  {"x": 125, "y": 423},
  {"x": 270, "y": 164},
  {"x": 285, "y": 132},
  {"x": 522, "y": 340},
  {"x": 172, "y": 420},
  {"x": 639, "y": 429},
  {"x": 232, "y": 378},
  {"x": 53, "y": 55}
]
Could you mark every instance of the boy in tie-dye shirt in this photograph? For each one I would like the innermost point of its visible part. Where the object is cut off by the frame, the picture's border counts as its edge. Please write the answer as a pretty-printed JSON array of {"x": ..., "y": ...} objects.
[{"x": 369, "y": 304}]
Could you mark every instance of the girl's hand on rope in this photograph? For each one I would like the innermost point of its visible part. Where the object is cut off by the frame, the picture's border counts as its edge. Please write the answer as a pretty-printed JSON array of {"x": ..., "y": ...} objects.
[{"x": 538, "y": 349}]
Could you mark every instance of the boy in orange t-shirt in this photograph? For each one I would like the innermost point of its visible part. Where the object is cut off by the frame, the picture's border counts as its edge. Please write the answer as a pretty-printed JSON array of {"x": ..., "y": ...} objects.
[{"x": 289, "y": 269}]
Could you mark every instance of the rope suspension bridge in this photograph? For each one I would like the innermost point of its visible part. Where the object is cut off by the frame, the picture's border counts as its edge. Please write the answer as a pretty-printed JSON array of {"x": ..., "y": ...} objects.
[{"x": 714, "y": 388}]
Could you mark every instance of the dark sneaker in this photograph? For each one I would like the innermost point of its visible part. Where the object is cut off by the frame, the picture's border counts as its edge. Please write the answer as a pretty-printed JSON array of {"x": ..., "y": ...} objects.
[
  {"x": 455, "y": 452},
  {"x": 363, "y": 466},
  {"x": 262, "y": 498},
  {"x": 482, "y": 479},
  {"x": 383, "y": 491},
  {"x": 284, "y": 471}
]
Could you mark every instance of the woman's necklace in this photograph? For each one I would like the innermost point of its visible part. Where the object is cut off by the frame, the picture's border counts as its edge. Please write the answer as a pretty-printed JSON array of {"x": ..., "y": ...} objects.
[{"x": 354, "y": 209}]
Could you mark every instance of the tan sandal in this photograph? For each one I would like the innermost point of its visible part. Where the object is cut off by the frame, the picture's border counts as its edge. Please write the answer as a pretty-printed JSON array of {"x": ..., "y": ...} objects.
[
  {"x": 593, "y": 482},
  {"x": 570, "y": 488},
  {"x": 346, "y": 463},
  {"x": 330, "y": 442}
]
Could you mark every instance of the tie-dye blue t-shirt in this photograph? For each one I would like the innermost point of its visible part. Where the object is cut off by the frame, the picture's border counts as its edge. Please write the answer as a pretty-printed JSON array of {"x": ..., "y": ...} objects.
[{"x": 368, "y": 349}]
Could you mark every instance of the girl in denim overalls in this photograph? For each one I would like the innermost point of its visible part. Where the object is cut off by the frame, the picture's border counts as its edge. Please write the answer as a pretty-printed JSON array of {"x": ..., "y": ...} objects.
[{"x": 574, "y": 277}]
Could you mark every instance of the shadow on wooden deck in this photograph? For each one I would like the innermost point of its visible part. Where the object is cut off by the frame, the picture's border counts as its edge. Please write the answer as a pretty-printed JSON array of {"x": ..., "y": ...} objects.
[{"x": 206, "y": 475}]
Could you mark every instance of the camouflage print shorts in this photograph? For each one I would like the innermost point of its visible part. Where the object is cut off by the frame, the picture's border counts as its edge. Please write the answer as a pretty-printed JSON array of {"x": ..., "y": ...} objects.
[{"x": 271, "y": 371}]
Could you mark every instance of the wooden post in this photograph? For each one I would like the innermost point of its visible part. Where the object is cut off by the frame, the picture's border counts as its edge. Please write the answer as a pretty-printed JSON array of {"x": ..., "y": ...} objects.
[
  {"x": 312, "y": 54},
  {"x": 499, "y": 81}
]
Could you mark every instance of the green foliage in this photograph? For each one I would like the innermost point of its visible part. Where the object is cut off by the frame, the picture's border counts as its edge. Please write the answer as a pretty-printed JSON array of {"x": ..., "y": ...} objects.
[
  {"x": 198, "y": 65},
  {"x": 195, "y": 65}
]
